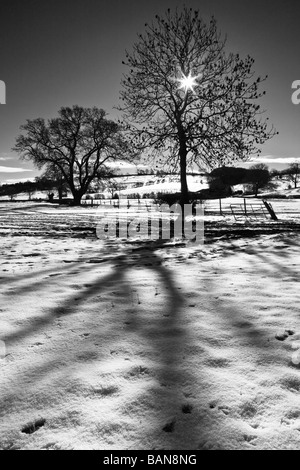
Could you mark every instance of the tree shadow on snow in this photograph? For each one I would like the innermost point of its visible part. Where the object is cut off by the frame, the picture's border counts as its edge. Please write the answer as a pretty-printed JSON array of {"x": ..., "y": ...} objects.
[
  {"x": 166, "y": 384},
  {"x": 162, "y": 338}
]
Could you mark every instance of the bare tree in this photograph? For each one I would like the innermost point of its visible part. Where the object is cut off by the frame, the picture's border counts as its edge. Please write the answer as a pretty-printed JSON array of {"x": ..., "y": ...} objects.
[
  {"x": 187, "y": 99},
  {"x": 54, "y": 175},
  {"x": 77, "y": 144},
  {"x": 113, "y": 187},
  {"x": 258, "y": 176},
  {"x": 292, "y": 173},
  {"x": 30, "y": 191}
]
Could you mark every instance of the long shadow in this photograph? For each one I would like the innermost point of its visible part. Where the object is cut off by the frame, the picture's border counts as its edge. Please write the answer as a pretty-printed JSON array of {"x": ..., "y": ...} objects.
[
  {"x": 268, "y": 265},
  {"x": 166, "y": 328},
  {"x": 163, "y": 332}
]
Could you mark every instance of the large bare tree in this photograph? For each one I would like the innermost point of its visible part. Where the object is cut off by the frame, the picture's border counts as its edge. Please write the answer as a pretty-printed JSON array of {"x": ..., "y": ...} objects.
[
  {"x": 77, "y": 143},
  {"x": 188, "y": 100}
]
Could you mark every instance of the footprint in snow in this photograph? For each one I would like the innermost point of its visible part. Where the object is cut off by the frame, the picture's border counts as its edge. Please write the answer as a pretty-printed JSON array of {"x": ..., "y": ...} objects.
[
  {"x": 187, "y": 408},
  {"x": 283, "y": 336},
  {"x": 290, "y": 417},
  {"x": 32, "y": 427},
  {"x": 225, "y": 409},
  {"x": 169, "y": 427},
  {"x": 249, "y": 438},
  {"x": 295, "y": 344}
]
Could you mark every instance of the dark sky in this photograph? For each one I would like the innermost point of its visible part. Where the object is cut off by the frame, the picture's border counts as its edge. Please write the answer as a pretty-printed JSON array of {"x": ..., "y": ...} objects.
[{"x": 59, "y": 53}]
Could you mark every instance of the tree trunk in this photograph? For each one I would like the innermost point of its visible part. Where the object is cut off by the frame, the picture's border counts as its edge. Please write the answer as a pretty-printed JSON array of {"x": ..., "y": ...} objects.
[
  {"x": 77, "y": 195},
  {"x": 184, "y": 198}
]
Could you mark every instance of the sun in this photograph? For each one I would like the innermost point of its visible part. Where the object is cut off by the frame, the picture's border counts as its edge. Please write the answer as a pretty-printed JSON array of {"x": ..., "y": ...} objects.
[{"x": 188, "y": 82}]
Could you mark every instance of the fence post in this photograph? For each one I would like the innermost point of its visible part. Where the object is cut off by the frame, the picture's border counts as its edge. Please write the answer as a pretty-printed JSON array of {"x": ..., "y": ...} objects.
[
  {"x": 245, "y": 206},
  {"x": 270, "y": 210}
]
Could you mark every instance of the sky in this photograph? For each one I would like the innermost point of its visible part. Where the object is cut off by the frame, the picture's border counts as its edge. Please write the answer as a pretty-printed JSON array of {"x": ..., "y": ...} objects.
[{"x": 60, "y": 53}]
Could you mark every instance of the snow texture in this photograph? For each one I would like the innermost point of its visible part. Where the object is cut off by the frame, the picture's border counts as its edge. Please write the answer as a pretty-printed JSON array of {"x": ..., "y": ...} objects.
[{"x": 111, "y": 345}]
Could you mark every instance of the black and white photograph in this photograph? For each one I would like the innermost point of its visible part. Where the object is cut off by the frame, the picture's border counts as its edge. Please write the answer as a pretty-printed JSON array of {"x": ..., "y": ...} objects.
[{"x": 149, "y": 227}]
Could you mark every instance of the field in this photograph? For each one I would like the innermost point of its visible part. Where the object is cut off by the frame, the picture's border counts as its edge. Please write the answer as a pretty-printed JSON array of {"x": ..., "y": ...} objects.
[{"x": 117, "y": 344}]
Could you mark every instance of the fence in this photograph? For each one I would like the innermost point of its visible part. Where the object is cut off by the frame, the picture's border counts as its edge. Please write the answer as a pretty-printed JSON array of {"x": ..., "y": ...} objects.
[{"x": 239, "y": 208}]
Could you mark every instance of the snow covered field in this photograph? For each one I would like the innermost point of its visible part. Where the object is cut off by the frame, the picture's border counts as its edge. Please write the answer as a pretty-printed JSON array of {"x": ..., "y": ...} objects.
[{"x": 112, "y": 345}]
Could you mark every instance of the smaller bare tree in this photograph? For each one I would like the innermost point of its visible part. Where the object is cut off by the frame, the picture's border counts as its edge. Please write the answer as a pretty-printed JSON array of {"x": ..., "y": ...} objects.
[
  {"x": 259, "y": 176},
  {"x": 292, "y": 174},
  {"x": 77, "y": 144}
]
